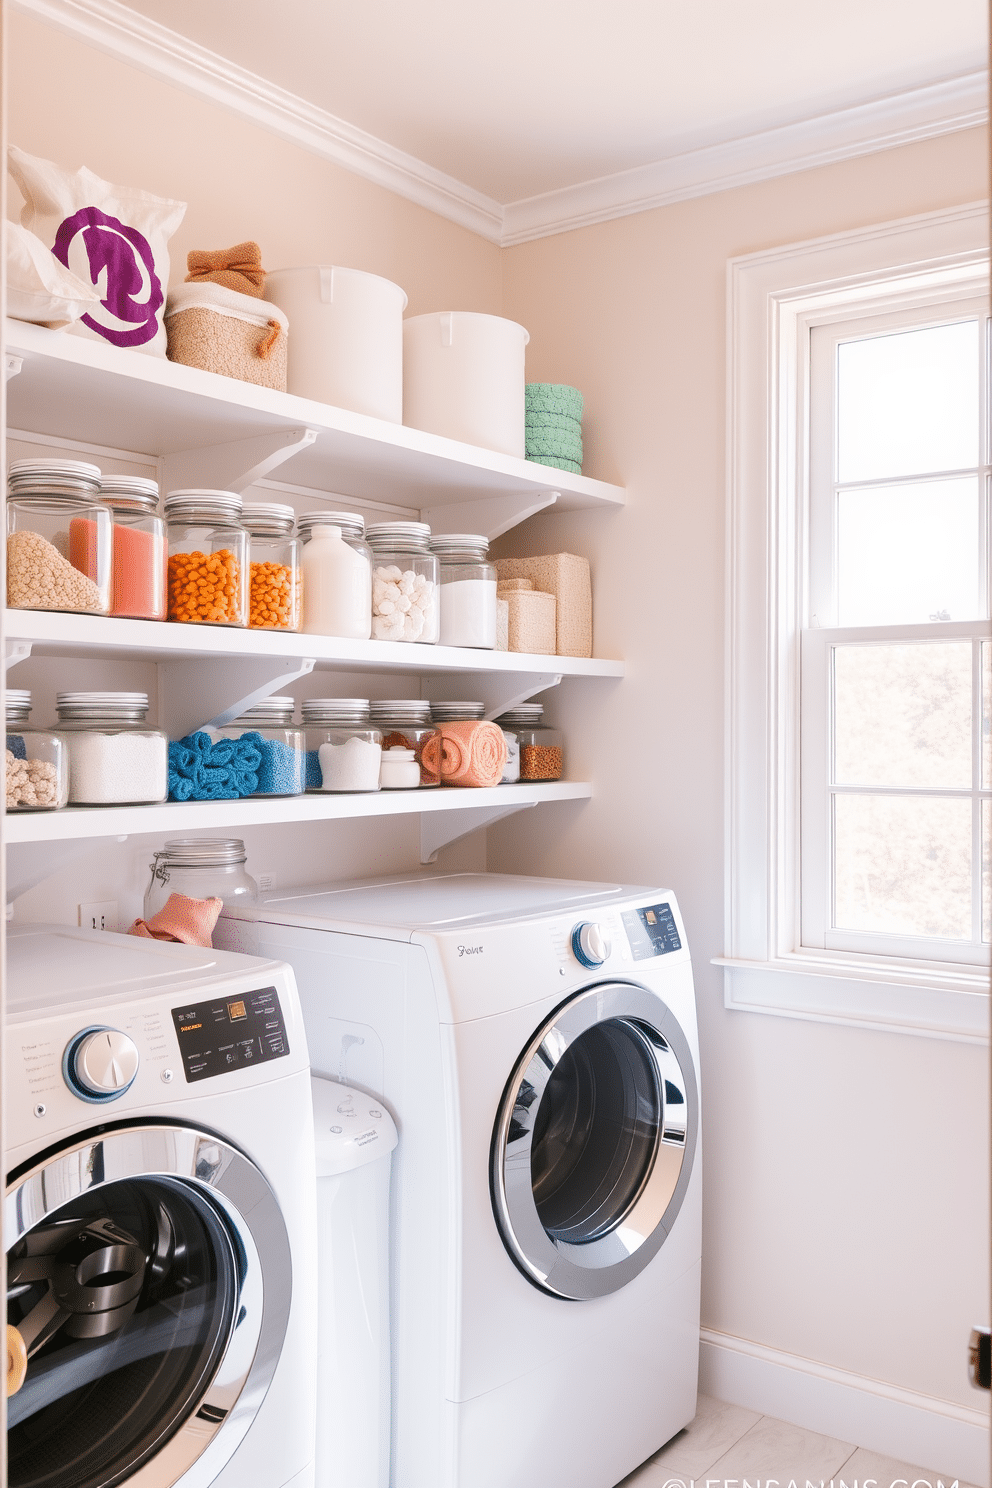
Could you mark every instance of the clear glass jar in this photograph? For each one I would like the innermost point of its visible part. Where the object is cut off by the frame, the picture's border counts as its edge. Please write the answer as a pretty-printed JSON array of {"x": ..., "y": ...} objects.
[
  {"x": 37, "y": 760},
  {"x": 405, "y": 723},
  {"x": 208, "y": 558},
  {"x": 59, "y": 538},
  {"x": 541, "y": 749},
  {"x": 138, "y": 575},
  {"x": 282, "y": 771},
  {"x": 404, "y": 582},
  {"x": 467, "y": 593},
  {"x": 344, "y": 751},
  {"x": 455, "y": 712},
  {"x": 337, "y": 575},
  {"x": 275, "y": 596},
  {"x": 115, "y": 757},
  {"x": 200, "y": 868}
]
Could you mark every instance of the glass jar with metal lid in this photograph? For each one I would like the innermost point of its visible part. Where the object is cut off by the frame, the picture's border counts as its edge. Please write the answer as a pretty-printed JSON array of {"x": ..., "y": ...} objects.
[
  {"x": 337, "y": 575},
  {"x": 541, "y": 751},
  {"x": 37, "y": 760},
  {"x": 344, "y": 750},
  {"x": 404, "y": 582},
  {"x": 467, "y": 593},
  {"x": 452, "y": 712},
  {"x": 405, "y": 723},
  {"x": 208, "y": 558},
  {"x": 200, "y": 868},
  {"x": 138, "y": 576},
  {"x": 274, "y": 586},
  {"x": 282, "y": 770},
  {"x": 115, "y": 757},
  {"x": 59, "y": 537}
]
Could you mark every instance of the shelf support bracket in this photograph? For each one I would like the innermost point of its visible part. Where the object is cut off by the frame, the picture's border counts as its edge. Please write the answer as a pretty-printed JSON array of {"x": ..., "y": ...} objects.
[
  {"x": 11, "y": 365},
  {"x": 15, "y": 651},
  {"x": 234, "y": 466},
  {"x": 491, "y": 515},
  {"x": 210, "y": 693},
  {"x": 441, "y": 828},
  {"x": 500, "y": 691},
  {"x": 30, "y": 863}
]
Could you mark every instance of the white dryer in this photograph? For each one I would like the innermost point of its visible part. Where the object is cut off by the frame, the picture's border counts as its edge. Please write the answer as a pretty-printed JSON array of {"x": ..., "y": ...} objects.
[
  {"x": 536, "y": 1041},
  {"x": 159, "y": 1216}
]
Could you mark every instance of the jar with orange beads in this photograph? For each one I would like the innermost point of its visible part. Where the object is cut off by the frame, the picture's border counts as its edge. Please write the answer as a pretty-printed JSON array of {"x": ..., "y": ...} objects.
[
  {"x": 275, "y": 582},
  {"x": 208, "y": 558}
]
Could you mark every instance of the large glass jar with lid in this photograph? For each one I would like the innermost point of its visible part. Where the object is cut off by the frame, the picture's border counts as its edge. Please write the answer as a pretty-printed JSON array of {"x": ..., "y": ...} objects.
[
  {"x": 337, "y": 575},
  {"x": 208, "y": 558},
  {"x": 200, "y": 868},
  {"x": 138, "y": 577},
  {"x": 274, "y": 587},
  {"x": 115, "y": 757},
  {"x": 59, "y": 537},
  {"x": 37, "y": 762},
  {"x": 282, "y": 769},
  {"x": 541, "y": 749},
  {"x": 404, "y": 582},
  {"x": 467, "y": 593},
  {"x": 344, "y": 751},
  {"x": 405, "y": 723}
]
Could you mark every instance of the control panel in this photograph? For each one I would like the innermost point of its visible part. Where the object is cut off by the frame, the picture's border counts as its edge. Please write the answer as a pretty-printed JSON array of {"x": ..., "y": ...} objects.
[
  {"x": 651, "y": 931},
  {"x": 230, "y": 1033}
]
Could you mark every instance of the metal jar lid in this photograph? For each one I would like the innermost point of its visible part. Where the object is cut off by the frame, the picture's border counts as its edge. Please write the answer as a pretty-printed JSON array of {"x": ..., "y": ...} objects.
[
  {"x": 453, "y": 547},
  {"x": 129, "y": 493},
  {"x": 351, "y": 524},
  {"x": 122, "y": 707},
  {"x": 457, "y": 712},
  {"x": 275, "y": 709},
  {"x": 336, "y": 710},
  {"x": 76, "y": 479},
  {"x": 413, "y": 710},
  {"x": 523, "y": 713},
  {"x": 192, "y": 504},
  {"x": 202, "y": 852},
  {"x": 18, "y": 704},
  {"x": 268, "y": 519},
  {"x": 385, "y": 536}
]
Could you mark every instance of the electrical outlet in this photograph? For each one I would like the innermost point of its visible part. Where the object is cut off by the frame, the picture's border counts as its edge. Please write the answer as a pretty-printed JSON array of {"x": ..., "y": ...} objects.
[
  {"x": 266, "y": 881},
  {"x": 99, "y": 916}
]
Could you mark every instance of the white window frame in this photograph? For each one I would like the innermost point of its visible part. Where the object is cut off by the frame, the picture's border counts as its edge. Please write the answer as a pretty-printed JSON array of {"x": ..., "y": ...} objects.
[{"x": 774, "y": 298}]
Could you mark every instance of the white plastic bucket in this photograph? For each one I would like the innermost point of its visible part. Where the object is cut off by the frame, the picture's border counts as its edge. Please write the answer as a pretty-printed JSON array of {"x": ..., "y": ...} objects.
[
  {"x": 463, "y": 376},
  {"x": 346, "y": 337}
]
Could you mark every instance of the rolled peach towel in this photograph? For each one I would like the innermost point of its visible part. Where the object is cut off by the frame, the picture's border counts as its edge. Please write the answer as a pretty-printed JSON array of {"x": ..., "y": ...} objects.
[
  {"x": 238, "y": 268},
  {"x": 190, "y": 921},
  {"x": 473, "y": 752}
]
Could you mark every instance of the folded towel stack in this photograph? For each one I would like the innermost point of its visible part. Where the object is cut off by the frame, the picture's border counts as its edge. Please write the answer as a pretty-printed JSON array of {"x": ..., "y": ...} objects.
[
  {"x": 553, "y": 424},
  {"x": 201, "y": 769}
]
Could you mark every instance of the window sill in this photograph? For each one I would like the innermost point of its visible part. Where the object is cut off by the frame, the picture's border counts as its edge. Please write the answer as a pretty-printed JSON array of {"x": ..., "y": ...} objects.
[{"x": 935, "y": 1001}]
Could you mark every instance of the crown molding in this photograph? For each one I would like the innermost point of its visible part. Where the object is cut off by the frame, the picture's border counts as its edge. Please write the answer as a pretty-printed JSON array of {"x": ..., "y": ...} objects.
[{"x": 915, "y": 114}]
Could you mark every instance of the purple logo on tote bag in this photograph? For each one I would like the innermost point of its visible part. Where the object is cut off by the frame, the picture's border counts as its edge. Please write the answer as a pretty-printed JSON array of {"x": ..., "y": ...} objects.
[{"x": 134, "y": 293}]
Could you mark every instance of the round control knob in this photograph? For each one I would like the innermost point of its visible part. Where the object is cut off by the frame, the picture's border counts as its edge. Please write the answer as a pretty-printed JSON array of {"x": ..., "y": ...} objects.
[
  {"x": 590, "y": 943},
  {"x": 100, "y": 1064}
]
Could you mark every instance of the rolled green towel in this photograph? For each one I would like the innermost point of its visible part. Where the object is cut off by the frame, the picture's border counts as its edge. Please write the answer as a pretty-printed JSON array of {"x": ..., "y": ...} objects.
[
  {"x": 554, "y": 397},
  {"x": 550, "y": 442},
  {"x": 536, "y": 418},
  {"x": 556, "y": 463}
]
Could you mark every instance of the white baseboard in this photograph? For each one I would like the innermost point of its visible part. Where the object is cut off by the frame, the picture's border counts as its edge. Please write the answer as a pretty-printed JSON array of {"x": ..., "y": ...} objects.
[{"x": 949, "y": 1439}]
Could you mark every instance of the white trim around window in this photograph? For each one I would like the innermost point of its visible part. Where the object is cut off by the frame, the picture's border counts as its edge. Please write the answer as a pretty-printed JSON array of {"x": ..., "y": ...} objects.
[{"x": 774, "y": 299}]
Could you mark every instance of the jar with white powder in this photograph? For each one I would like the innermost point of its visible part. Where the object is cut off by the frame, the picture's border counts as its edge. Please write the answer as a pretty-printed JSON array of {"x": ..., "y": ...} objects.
[
  {"x": 467, "y": 593},
  {"x": 37, "y": 760},
  {"x": 344, "y": 751},
  {"x": 337, "y": 575},
  {"x": 404, "y": 582},
  {"x": 115, "y": 757}
]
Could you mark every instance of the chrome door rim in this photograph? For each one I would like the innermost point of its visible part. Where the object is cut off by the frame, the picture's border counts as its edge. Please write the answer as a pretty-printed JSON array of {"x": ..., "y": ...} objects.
[
  {"x": 595, "y": 1267},
  {"x": 200, "y": 1159}
]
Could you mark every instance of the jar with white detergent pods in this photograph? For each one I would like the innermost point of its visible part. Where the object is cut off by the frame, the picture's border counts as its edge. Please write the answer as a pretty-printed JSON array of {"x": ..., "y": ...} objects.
[
  {"x": 337, "y": 575},
  {"x": 404, "y": 582},
  {"x": 115, "y": 757},
  {"x": 346, "y": 342},
  {"x": 467, "y": 594},
  {"x": 463, "y": 376}
]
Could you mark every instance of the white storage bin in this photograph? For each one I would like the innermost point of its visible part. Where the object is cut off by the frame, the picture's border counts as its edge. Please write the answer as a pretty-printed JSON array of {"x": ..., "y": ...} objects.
[
  {"x": 463, "y": 376},
  {"x": 346, "y": 346}
]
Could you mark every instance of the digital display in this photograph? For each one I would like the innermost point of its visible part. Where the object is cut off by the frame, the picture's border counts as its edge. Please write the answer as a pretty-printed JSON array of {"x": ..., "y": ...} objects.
[
  {"x": 218, "y": 1037},
  {"x": 651, "y": 931}
]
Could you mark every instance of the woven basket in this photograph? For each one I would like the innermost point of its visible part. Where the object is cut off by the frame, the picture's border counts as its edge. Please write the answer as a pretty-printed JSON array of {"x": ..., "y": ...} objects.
[{"x": 220, "y": 330}]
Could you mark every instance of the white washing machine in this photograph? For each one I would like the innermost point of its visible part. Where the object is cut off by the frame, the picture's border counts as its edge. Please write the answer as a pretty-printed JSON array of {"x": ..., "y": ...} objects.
[
  {"x": 536, "y": 1042},
  {"x": 160, "y": 1216}
]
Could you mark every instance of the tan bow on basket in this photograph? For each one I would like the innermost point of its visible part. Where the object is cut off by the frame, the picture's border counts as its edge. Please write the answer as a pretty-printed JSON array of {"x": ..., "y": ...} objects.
[{"x": 238, "y": 268}]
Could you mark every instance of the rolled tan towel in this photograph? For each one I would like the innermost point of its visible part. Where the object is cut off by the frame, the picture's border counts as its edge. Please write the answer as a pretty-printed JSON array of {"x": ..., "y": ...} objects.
[
  {"x": 473, "y": 752},
  {"x": 238, "y": 268}
]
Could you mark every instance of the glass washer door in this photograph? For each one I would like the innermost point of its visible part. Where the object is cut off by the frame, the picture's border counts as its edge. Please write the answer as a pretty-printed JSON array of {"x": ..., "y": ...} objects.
[
  {"x": 135, "y": 1280},
  {"x": 594, "y": 1142}
]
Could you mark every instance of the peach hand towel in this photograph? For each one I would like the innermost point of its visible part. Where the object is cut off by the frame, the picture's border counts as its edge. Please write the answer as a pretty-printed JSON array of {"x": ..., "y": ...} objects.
[
  {"x": 238, "y": 268},
  {"x": 472, "y": 753},
  {"x": 188, "y": 920}
]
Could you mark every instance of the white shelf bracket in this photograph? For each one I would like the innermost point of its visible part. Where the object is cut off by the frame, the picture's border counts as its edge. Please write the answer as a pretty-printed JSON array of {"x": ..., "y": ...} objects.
[
  {"x": 30, "y": 863},
  {"x": 11, "y": 365},
  {"x": 235, "y": 466},
  {"x": 500, "y": 691},
  {"x": 15, "y": 651},
  {"x": 490, "y": 515},
  {"x": 195, "y": 694},
  {"x": 441, "y": 828}
]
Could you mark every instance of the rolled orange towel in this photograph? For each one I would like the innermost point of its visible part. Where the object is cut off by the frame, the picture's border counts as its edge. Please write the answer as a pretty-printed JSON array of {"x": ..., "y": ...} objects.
[
  {"x": 188, "y": 920},
  {"x": 472, "y": 753}
]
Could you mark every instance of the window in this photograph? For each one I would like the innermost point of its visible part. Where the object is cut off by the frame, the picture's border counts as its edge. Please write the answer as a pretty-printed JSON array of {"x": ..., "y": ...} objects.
[{"x": 859, "y": 664}]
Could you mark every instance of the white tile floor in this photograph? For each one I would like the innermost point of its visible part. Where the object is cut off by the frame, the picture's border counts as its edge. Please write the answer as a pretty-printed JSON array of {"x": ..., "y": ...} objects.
[{"x": 726, "y": 1441}]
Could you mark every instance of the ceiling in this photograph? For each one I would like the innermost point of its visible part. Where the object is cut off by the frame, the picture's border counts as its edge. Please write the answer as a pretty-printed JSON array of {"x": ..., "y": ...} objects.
[{"x": 518, "y": 98}]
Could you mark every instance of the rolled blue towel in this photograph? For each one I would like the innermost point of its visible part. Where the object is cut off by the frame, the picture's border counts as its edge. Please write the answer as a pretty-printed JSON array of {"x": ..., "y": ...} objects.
[
  {"x": 554, "y": 397},
  {"x": 201, "y": 769},
  {"x": 561, "y": 423},
  {"x": 557, "y": 463},
  {"x": 551, "y": 443}
]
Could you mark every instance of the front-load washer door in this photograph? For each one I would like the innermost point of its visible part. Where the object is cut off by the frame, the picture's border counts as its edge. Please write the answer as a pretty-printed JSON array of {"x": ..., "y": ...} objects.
[
  {"x": 148, "y": 1288},
  {"x": 594, "y": 1141}
]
